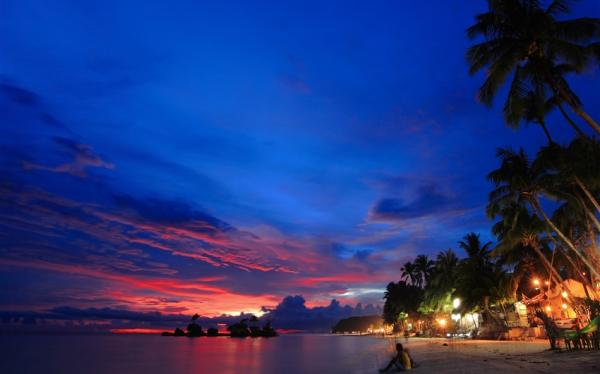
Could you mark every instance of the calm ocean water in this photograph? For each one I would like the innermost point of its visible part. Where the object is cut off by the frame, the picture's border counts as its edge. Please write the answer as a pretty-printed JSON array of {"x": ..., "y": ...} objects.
[{"x": 149, "y": 354}]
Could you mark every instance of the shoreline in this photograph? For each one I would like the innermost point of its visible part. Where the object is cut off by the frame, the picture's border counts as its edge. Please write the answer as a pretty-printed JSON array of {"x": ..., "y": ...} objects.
[{"x": 475, "y": 356}]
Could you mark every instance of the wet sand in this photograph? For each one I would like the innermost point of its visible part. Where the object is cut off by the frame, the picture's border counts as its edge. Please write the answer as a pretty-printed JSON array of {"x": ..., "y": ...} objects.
[{"x": 485, "y": 357}]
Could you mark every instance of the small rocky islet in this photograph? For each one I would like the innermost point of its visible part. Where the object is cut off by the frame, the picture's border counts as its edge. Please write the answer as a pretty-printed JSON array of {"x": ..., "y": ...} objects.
[{"x": 247, "y": 327}]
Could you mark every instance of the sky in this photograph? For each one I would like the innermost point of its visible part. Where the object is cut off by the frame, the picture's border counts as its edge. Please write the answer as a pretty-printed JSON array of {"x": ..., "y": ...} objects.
[{"x": 216, "y": 157}]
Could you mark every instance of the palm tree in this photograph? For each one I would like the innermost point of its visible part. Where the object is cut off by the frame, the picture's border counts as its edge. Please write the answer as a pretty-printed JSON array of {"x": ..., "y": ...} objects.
[
  {"x": 480, "y": 280},
  {"x": 409, "y": 273},
  {"x": 519, "y": 235},
  {"x": 446, "y": 270},
  {"x": 424, "y": 267},
  {"x": 400, "y": 298},
  {"x": 442, "y": 284},
  {"x": 533, "y": 107},
  {"x": 527, "y": 41},
  {"x": 472, "y": 245},
  {"x": 572, "y": 165},
  {"x": 518, "y": 182}
]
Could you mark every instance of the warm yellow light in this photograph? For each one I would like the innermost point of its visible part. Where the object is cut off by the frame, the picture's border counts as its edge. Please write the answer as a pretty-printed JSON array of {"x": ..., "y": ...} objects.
[
  {"x": 442, "y": 322},
  {"x": 564, "y": 294},
  {"x": 536, "y": 282},
  {"x": 548, "y": 308},
  {"x": 456, "y": 303},
  {"x": 564, "y": 306},
  {"x": 547, "y": 283}
]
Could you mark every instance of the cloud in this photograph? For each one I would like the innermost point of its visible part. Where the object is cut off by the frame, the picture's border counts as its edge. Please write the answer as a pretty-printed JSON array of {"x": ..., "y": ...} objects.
[
  {"x": 147, "y": 224},
  {"x": 82, "y": 155},
  {"x": 167, "y": 211},
  {"x": 291, "y": 313},
  {"x": 428, "y": 200},
  {"x": 26, "y": 98},
  {"x": 20, "y": 95}
]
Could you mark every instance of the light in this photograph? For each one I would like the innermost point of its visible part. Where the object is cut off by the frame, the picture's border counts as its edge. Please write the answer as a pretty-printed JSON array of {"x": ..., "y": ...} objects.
[
  {"x": 456, "y": 303},
  {"x": 442, "y": 322},
  {"x": 547, "y": 283},
  {"x": 564, "y": 294},
  {"x": 564, "y": 306},
  {"x": 536, "y": 282},
  {"x": 548, "y": 308},
  {"x": 456, "y": 317}
]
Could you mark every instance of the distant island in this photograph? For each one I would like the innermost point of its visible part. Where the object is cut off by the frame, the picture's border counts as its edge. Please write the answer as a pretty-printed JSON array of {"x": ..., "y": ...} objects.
[
  {"x": 361, "y": 325},
  {"x": 247, "y": 327}
]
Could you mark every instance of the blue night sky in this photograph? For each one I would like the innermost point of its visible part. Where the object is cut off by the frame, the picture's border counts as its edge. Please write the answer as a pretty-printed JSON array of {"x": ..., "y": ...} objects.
[{"x": 186, "y": 156}]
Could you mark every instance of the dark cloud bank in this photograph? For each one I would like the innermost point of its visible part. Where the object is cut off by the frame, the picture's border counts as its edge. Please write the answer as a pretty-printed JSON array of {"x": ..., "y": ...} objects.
[{"x": 290, "y": 314}]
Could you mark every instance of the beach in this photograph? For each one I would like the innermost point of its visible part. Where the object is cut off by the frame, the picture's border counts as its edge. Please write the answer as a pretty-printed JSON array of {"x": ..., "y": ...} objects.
[
  {"x": 484, "y": 356},
  {"x": 289, "y": 354}
]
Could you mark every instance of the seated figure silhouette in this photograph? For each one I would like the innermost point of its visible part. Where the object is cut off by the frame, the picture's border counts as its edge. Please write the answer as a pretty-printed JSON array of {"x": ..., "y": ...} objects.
[{"x": 402, "y": 360}]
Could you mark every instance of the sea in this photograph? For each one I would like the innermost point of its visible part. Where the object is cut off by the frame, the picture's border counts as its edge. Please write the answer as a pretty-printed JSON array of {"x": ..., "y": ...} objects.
[{"x": 149, "y": 354}]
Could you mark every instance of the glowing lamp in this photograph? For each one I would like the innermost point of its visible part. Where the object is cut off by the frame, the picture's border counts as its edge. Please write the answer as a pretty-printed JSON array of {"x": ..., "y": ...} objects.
[
  {"x": 564, "y": 294},
  {"x": 547, "y": 283},
  {"x": 548, "y": 308},
  {"x": 536, "y": 282},
  {"x": 456, "y": 303},
  {"x": 456, "y": 317},
  {"x": 442, "y": 322},
  {"x": 564, "y": 306}
]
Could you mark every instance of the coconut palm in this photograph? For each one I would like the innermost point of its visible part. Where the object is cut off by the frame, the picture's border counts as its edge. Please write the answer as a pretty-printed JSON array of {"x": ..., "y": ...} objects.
[
  {"x": 442, "y": 283},
  {"x": 518, "y": 182},
  {"x": 568, "y": 175},
  {"x": 576, "y": 162},
  {"x": 446, "y": 270},
  {"x": 480, "y": 279},
  {"x": 524, "y": 40},
  {"x": 531, "y": 108},
  {"x": 409, "y": 273},
  {"x": 521, "y": 234},
  {"x": 472, "y": 245},
  {"x": 400, "y": 298},
  {"x": 424, "y": 267}
]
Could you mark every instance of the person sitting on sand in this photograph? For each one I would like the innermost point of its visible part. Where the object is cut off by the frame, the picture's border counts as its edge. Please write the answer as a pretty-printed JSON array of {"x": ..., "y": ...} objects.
[{"x": 401, "y": 360}]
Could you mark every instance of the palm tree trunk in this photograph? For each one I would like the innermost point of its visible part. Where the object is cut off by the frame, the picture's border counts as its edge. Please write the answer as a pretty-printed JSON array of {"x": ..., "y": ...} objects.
[
  {"x": 587, "y": 210},
  {"x": 592, "y": 234},
  {"x": 575, "y": 106},
  {"x": 539, "y": 210},
  {"x": 593, "y": 219},
  {"x": 574, "y": 265},
  {"x": 551, "y": 271},
  {"x": 586, "y": 117},
  {"x": 587, "y": 193},
  {"x": 571, "y": 122}
]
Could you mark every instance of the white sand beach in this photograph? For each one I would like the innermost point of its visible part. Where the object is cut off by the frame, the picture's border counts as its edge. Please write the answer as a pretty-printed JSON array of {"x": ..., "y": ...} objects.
[{"x": 484, "y": 356}]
